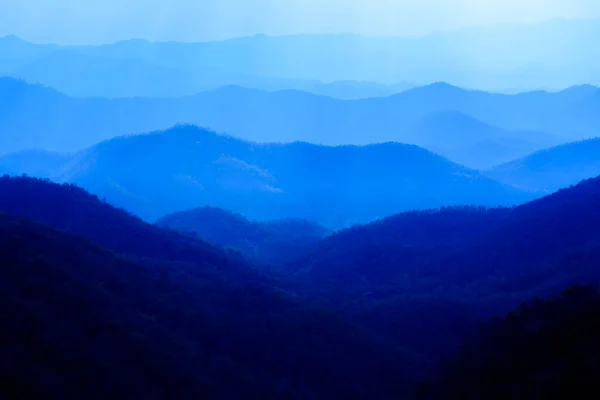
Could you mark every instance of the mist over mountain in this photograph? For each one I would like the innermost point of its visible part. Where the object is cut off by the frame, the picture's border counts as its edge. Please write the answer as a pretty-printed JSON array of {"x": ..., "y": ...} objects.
[
  {"x": 553, "y": 168},
  {"x": 158, "y": 315},
  {"x": 491, "y": 241},
  {"x": 475, "y": 144},
  {"x": 463, "y": 57},
  {"x": 271, "y": 243},
  {"x": 301, "y": 217},
  {"x": 420, "y": 281},
  {"x": 449, "y": 268},
  {"x": 33, "y": 162},
  {"x": 479, "y": 129},
  {"x": 188, "y": 167},
  {"x": 81, "y": 72}
]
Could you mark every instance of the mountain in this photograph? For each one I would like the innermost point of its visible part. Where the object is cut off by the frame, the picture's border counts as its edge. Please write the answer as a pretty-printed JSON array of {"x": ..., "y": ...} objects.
[
  {"x": 13, "y": 47},
  {"x": 70, "y": 208},
  {"x": 471, "y": 250},
  {"x": 83, "y": 75},
  {"x": 93, "y": 72},
  {"x": 142, "y": 319},
  {"x": 453, "y": 267},
  {"x": 553, "y": 168},
  {"x": 272, "y": 242},
  {"x": 16, "y": 53},
  {"x": 34, "y": 116},
  {"x": 352, "y": 90},
  {"x": 188, "y": 167},
  {"x": 478, "y": 57},
  {"x": 473, "y": 143}
]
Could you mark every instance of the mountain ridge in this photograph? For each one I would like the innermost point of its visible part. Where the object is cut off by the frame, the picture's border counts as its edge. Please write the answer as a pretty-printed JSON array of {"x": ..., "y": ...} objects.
[
  {"x": 54, "y": 121},
  {"x": 91, "y": 322},
  {"x": 187, "y": 167},
  {"x": 552, "y": 168}
]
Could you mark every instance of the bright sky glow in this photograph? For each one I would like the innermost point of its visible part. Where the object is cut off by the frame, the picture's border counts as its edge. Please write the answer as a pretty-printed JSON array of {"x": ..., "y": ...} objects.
[{"x": 101, "y": 21}]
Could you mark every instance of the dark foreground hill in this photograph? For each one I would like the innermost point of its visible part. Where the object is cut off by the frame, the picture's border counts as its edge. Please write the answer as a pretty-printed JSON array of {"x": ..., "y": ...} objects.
[
  {"x": 447, "y": 269},
  {"x": 472, "y": 251},
  {"x": 84, "y": 322},
  {"x": 272, "y": 242},
  {"x": 543, "y": 350},
  {"x": 187, "y": 167},
  {"x": 135, "y": 311}
]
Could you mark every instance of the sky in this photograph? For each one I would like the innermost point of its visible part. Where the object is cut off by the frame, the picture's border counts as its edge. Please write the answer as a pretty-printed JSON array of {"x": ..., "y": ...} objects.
[{"x": 105, "y": 21}]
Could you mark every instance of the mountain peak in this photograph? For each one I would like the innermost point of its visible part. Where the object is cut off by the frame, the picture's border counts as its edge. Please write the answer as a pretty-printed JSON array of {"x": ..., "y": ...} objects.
[
  {"x": 11, "y": 38},
  {"x": 580, "y": 90},
  {"x": 10, "y": 86},
  {"x": 443, "y": 86},
  {"x": 13, "y": 42},
  {"x": 435, "y": 89}
]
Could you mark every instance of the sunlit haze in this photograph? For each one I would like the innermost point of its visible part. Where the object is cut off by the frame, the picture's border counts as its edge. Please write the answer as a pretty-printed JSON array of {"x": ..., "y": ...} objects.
[{"x": 101, "y": 21}]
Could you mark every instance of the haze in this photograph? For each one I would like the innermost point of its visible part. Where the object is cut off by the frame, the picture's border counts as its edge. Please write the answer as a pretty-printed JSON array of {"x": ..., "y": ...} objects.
[{"x": 95, "y": 22}]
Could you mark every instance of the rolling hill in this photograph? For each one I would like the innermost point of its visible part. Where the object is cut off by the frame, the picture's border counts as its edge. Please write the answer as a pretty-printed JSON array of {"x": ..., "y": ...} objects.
[
  {"x": 34, "y": 116},
  {"x": 450, "y": 268},
  {"x": 188, "y": 167},
  {"x": 471, "y": 250},
  {"x": 473, "y": 143},
  {"x": 272, "y": 243},
  {"x": 553, "y": 168},
  {"x": 159, "y": 315}
]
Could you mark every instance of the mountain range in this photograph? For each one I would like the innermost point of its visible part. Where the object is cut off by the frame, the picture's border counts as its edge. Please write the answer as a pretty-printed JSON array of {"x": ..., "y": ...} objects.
[
  {"x": 94, "y": 72},
  {"x": 187, "y": 167},
  {"x": 479, "y": 129},
  {"x": 97, "y": 303},
  {"x": 463, "y": 57},
  {"x": 305, "y": 217},
  {"x": 94, "y": 294},
  {"x": 449, "y": 268}
]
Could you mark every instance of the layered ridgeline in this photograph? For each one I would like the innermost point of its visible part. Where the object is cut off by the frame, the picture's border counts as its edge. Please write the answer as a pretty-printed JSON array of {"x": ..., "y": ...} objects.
[
  {"x": 99, "y": 304},
  {"x": 553, "y": 168},
  {"x": 161, "y": 315},
  {"x": 447, "y": 268},
  {"x": 468, "y": 141},
  {"x": 479, "y": 129},
  {"x": 271, "y": 242},
  {"x": 463, "y": 57},
  {"x": 186, "y": 167},
  {"x": 475, "y": 250}
]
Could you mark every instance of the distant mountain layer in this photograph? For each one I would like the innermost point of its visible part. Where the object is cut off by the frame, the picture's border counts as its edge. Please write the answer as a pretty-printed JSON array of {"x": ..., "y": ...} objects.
[
  {"x": 91, "y": 72},
  {"x": 272, "y": 243},
  {"x": 187, "y": 167},
  {"x": 450, "y": 119},
  {"x": 475, "y": 144},
  {"x": 479, "y": 57},
  {"x": 553, "y": 168}
]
